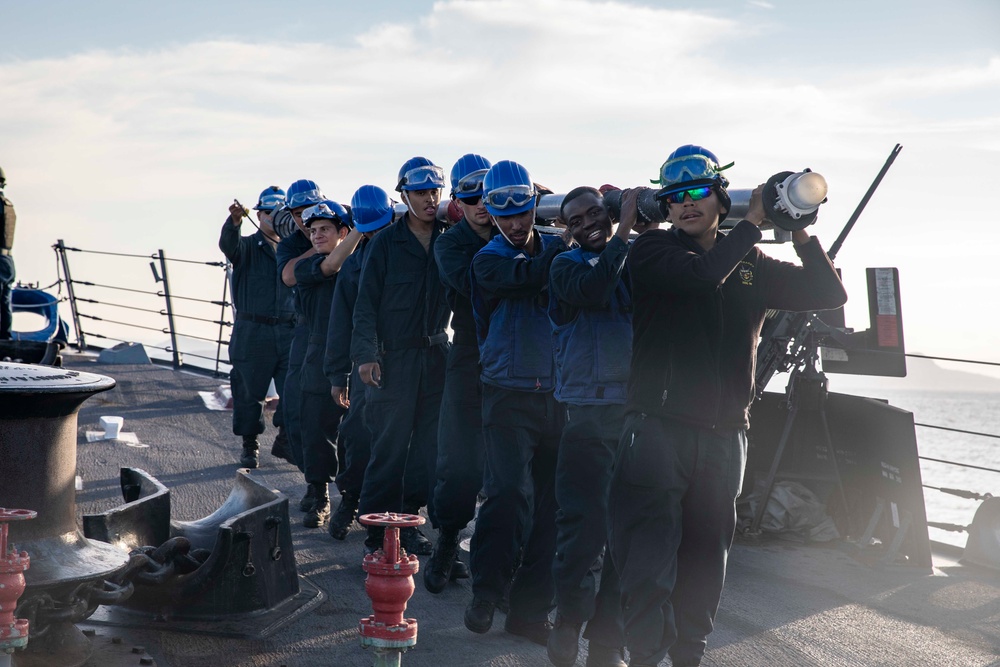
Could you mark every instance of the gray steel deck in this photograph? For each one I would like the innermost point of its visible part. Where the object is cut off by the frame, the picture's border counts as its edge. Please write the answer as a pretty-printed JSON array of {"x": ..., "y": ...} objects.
[{"x": 784, "y": 604}]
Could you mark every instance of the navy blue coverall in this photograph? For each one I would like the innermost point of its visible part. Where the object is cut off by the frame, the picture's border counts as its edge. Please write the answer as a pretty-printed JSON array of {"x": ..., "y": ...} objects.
[
  {"x": 399, "y": 321},
  {"x": 262, "y": 332},
  {"x": 522, "y": 423},
  {"x": 320, "y": 413},
  {"x": 460, "y": 431},
  {"x": 696, "y": 325},
  {"x": 288, "y": 249},
  {"x": 340, "y": 372},
  {"x": 590, "y": 308}
]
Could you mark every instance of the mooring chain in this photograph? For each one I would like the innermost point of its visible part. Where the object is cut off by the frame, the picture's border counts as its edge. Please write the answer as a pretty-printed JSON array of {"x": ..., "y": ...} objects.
[{"x": 174, "y": 557}]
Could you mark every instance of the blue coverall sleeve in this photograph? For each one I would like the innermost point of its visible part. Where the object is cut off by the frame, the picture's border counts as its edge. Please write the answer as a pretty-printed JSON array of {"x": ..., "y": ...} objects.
[
  {"x": 364, "y": 345},
  {"x": 229, "y": 241},
  {"x": 585, "y": 286},
  {"x": 337, "y": 358},
  {"x": 518, "y": 278}
]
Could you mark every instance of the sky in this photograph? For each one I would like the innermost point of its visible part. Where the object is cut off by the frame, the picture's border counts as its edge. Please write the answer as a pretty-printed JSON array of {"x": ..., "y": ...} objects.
[{"x": 131, "y": 126}]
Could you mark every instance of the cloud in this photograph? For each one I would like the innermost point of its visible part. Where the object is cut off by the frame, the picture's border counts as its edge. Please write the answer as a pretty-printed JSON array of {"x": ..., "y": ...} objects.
[{"x": 127, "y": 148}]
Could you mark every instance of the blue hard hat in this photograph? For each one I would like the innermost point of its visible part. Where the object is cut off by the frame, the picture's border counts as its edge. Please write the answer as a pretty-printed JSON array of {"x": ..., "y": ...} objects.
[
  {"x": 372, "y": 209},
  {"x": 508, "y": 189},
  {"x": 467, "y": 175},
  {"x": 270, "y": 199},
  {"x": 327, "y": 210},
  {"x": 419, "y": 173},
  {"x": 303, "y": 192}
]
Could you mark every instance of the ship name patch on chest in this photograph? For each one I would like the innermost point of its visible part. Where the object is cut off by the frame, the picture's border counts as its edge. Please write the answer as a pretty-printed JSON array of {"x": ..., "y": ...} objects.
[{"x": 745, "y": 272}]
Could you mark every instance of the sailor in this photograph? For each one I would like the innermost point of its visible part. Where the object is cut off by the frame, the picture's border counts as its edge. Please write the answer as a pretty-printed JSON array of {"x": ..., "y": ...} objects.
[
  {"x": 590, "y": 306},
  {"x": 262, "y": 332},
  {"x": 332, "y": 238},
  {"x": 460, "y": 430},
  {"x": 399, "y": 344},
  {"x": 302, "y": 194},
  {"x": 8, "y": 218},
  {"x": 700, "y": 298},
  {"x": 371, "y": 211},
  {"x": 521, "y": 419}
]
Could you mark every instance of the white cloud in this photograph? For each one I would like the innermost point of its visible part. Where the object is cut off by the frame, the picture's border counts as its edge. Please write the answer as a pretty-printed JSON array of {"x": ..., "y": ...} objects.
[{"x": 143, "y": 149}]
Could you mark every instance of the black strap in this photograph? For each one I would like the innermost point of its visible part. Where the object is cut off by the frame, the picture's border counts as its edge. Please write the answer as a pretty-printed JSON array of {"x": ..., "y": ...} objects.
[
  {"x": 415, "y": 342},
  {"x": 264, "y": 319}
]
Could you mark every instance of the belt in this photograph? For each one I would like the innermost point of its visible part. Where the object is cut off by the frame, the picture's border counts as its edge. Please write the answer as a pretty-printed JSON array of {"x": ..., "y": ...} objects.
[
  {"x": 465, "y": 338},
  {"x": 5, "y": 251},
  {"x": 264, "y": 319},
  {"x": 415, "y": 342}
]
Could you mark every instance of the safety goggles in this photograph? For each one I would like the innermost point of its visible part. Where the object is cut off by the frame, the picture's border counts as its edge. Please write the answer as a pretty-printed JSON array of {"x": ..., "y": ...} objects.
[
  {"x": 320, "y": 211},
  {"x": 689, "y": 168},
  {"x": 511, "y": 195},
  {"x": 471, "y": 183},
  {"x": 270, "y": 202},
  {"x": 425, "y": 177},
  {"x": 694, "y": 193},
  {"x": 305, "y": 198}
]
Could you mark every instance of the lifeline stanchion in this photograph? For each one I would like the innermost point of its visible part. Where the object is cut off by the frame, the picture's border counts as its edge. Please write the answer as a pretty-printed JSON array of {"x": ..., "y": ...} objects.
[
  {"x": 389, "y": 585},
  {"x": 13, "y": 631}
]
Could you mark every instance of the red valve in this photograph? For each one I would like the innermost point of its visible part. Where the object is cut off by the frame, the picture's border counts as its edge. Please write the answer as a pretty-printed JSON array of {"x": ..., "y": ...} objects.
[
  {"x": 13, "y": 631},
  {"x": 390, "y": 585}
]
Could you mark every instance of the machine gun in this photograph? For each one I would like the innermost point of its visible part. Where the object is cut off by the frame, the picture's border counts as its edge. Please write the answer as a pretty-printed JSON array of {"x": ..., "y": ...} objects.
[{"x": 786, "y": 337}]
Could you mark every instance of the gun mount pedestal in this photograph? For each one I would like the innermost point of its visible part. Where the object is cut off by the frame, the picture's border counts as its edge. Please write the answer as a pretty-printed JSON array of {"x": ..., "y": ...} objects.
[{"x": 806, "y": 390}]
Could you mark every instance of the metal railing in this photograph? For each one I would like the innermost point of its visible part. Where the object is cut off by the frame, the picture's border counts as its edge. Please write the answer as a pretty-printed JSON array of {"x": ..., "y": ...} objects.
[
  {"x": 959, "y": 493},
  {"x": 161, "y": 302}
]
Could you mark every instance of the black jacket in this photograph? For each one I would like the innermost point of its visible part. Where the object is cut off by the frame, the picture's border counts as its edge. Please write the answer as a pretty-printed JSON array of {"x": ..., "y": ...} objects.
[{"x": 698, "y": 316}]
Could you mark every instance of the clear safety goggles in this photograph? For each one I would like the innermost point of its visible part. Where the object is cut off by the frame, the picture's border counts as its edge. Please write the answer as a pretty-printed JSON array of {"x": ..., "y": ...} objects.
[
  {"x": 689, "y": 168},
  {"x": 270, "y": 202},
  {"x": 305, "y": 197},
  {"x": 425, "y": 177},
  {"x": 511, "y": 195},
  {"x": 321, "y": 211},
  {"x": 471, "y": 183}
]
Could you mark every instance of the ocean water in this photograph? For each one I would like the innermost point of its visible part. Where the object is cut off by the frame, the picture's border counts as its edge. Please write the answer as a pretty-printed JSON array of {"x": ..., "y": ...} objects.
[{"x": 968, "y": 411}]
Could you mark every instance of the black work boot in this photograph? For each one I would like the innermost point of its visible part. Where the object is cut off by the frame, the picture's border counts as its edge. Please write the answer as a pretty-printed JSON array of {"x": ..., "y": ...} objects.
[
  {"x": 564, "y": 642},
  {"x": 534, "y": 631},
  {"x": 307, "y": 500},
  {"x": 479, "y": 615},
  {"x": 415, "y": 542},
  {"x": 320, "y": 511},
  {"x": 459, "y": 570},
  {"x": 340, "y": 522},
  {"x": 279, "y": 449},
  {"x": 604, "y": 656},
  {"x": 438, "y": 573},
  {"x": 248, "y": 459}
]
